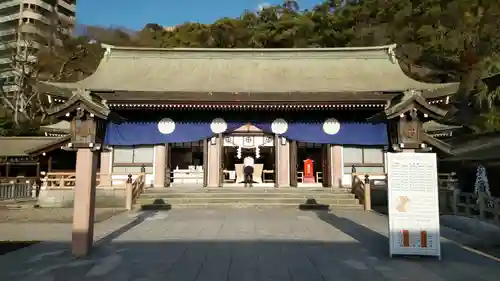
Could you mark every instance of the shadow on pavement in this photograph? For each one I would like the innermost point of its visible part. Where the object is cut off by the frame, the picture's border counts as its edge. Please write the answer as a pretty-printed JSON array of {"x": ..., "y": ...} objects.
[
  {"x": 487, "y": 243},
  {"x": 378, "y": 243},
  {"x": 117, "y": 233},
  {"x": 239, "y": 256},
  {"x": 10, "y": 246}
]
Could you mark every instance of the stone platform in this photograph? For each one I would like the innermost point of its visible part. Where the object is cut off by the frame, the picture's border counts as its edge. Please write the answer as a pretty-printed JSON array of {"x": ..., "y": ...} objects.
[{"x": 247, "y": 244}]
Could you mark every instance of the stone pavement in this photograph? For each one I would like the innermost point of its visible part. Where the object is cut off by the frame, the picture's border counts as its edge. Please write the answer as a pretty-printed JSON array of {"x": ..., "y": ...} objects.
[{"x": 246, "y": 244}]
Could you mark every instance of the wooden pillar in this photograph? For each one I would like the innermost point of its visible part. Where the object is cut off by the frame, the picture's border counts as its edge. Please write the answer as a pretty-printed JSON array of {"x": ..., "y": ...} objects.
[
  {"x": 326, "y": 159},
  {"x": 38, "y": 169},
  {"x": 160, "y": 170},
  {"x": 214, "y": 162},
  {"x": 221, "y": 159},
  {"x": 327, "y": 178},
  {"x": 284, "y": 162},
  {"x": 276, "y": 160},
  {"x": 7, "y": 169},
  {"x": 168, "y": 156},
  {"x": 105, "y": 178},
  {"x": 367, "y": 194},
  {"x": 49, "y": 164},
  {"x": 205, "y": 162},
  {"x": 337, "y": 166},
  {"x": 84, "y": 202},
  {"x": 293, "y": 163}
]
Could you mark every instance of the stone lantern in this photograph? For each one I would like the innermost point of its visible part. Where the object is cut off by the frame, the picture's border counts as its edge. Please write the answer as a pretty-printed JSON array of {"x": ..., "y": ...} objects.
[
  {"x": 87, "y": 115},
  {"x": 405, "y": 115}
]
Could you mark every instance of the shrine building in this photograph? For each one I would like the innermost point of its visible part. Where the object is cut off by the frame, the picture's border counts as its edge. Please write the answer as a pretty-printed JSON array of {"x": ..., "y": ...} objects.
[{"x": 190, "y": 116}]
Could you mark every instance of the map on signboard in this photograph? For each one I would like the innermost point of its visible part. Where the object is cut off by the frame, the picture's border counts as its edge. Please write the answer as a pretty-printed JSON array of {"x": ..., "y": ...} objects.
[{"x": 402, "y": 204}]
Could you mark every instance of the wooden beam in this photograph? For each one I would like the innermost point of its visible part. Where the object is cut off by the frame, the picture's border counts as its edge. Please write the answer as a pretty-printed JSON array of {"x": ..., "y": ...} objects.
[
  {"x": 293, "y": 163},
  {"x": 205, "y": 162},
  {"x": 221, "y": 159},
  {"x": 277, "y": 144}
]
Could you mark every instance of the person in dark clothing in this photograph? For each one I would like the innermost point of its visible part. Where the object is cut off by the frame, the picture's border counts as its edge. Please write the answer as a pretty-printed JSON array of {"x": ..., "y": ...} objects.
[{"x": 248, "y": 171}]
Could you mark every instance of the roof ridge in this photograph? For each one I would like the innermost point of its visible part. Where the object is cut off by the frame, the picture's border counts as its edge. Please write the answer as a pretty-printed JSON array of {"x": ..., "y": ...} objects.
[{"x": 110, "y": 48}]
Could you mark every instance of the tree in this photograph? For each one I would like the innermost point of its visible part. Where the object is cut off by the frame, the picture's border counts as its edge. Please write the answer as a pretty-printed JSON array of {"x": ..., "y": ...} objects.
[
  {"x": 459, "y": 37},
  {"x": 58, "y": 57},
  {"x": 21, "y": 103}
]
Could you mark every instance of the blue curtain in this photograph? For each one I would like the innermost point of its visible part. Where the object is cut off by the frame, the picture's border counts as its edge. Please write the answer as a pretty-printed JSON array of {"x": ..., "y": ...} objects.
[
  {"x": 137, "y": 133},
  {"x": 348, "y": 134}
]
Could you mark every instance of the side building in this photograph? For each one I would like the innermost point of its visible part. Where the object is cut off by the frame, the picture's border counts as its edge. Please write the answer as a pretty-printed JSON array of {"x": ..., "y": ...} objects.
[{"x": 307, "y": 116}]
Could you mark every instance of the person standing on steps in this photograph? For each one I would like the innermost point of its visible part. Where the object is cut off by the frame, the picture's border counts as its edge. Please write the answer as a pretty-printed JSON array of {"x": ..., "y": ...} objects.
[{"x": 248, "y": 163}]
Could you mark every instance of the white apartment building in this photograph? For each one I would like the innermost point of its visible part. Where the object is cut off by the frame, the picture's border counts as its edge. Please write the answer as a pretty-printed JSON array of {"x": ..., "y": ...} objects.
[{"x": 33, "y": 20}]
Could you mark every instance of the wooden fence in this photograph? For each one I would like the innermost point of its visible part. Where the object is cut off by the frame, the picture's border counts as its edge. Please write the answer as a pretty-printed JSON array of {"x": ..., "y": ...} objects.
[
  {"x": 451, "y": 200},
  {"x": 16, "y": 190},
  {"x": 20, "y": 188},
  {"x": 67, "y": 180},
  {"x": 479, "y": 206}
]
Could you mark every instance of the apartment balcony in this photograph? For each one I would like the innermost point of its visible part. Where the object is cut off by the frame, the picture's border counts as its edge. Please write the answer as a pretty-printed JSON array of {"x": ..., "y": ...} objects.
[
  {"x": 7, "y": 74},
  {"x": 10, "y": 88},
  {"x": 7, "y": 45},
  {"x": 9, "y": 18},
  {"x": 67, "y": 6},
  {"x": 66, "y": 19},
  {"x": 36, "y": 16},
  {"x": 9, "y": 4},
  {"x": 40, "y": 3},
  {"x": 33, "y": 29},
  {"x": 5, "y": 61},
  {"x": 6, "y": 32}
]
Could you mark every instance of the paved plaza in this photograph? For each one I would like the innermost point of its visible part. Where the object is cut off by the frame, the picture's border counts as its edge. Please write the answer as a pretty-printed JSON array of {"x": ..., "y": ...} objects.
[{"x": 244, "y": 244}]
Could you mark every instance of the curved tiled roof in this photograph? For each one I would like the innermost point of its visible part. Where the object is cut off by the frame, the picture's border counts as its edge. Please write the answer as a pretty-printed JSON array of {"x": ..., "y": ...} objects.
[{"x": 328, "y": 70}]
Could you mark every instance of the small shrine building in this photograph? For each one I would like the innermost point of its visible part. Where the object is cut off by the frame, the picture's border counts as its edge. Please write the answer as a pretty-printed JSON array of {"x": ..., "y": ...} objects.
[{"x": 190, "y": 116}]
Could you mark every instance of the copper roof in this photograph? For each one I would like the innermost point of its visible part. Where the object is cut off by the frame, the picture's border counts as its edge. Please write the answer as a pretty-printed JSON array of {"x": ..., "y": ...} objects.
[
  {"x": 244, "y": 97},
  {"x": 327, "y": 70},
  {"x": 17, "y": 146}
]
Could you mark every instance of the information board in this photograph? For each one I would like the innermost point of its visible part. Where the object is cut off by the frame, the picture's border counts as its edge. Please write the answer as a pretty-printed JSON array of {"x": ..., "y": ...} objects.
[{"x": 413, "y": 203}]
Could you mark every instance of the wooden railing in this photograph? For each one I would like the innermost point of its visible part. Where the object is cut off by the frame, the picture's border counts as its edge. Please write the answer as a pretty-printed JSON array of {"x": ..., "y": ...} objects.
[
  {"x": 447, "y": 181},
  {"x": 478, "y": 205},
  {"x": 134, "y": 189},
  {"x": 32, "y": 180},
  {"x": 318, "y": 179},
  {"x": 16, "y": 190},
  {"x": 134, "y": 186},
  {"x": 63, "y": 180},
  {"x": 361, "y": 187}
]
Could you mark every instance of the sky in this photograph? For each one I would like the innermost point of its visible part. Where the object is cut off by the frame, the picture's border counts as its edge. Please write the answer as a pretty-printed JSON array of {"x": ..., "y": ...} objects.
[{"x": 130, "y": 14}]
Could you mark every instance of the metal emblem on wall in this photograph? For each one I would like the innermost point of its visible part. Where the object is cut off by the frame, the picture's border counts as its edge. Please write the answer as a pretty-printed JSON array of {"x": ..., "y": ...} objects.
[{"x": 248, "y": 141}]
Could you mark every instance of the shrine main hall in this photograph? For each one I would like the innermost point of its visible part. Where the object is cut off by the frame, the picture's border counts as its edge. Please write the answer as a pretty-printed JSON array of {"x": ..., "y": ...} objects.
[{"x": 307, "y": 116}]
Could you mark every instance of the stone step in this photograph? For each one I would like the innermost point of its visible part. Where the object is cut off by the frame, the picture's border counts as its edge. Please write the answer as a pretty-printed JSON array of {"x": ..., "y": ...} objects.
[
  {"x": 248, "y": 190},
  {"x": 164, "y": 207},
  {"x": 249, "y": 200},
  {"x": 244, "y": 195}
]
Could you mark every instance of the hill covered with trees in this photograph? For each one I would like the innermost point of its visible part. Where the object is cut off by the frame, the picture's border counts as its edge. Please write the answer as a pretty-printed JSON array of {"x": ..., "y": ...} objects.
[{"x": 438, "y": 40}]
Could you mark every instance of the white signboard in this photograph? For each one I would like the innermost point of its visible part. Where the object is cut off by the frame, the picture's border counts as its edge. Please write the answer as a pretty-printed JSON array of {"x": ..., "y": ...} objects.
[{"x": 412, "y": 183}]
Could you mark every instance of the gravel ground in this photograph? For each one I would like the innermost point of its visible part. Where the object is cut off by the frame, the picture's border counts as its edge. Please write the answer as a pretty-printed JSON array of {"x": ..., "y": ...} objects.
[{"x": 51, "y": 215}]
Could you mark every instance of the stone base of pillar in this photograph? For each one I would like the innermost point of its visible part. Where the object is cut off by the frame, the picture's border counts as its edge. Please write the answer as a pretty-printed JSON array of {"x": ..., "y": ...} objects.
[{"x": 84, "y": 202}]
